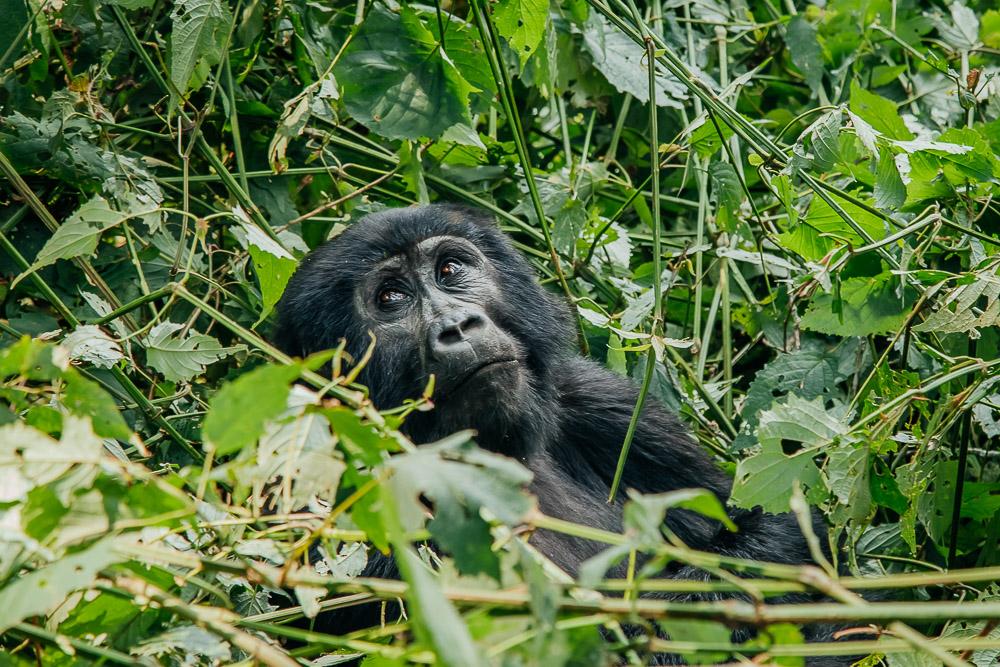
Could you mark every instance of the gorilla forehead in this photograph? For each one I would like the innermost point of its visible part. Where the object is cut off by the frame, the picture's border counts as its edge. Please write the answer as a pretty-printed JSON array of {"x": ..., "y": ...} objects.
[{"x": 393, "y": 232}]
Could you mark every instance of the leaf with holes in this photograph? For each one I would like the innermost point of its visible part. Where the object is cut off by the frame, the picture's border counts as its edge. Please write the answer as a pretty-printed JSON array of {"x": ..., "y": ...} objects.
[
  {"x": 201, "y": 31},
  {"x": 461, "y": 481},
  {"x": 522, "y": 24},
  {"x": 397, "y": 82}
]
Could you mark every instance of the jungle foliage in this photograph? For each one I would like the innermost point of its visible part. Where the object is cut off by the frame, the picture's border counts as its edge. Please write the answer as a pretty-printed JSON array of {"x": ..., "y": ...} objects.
[{"x": 795, "y": 247}]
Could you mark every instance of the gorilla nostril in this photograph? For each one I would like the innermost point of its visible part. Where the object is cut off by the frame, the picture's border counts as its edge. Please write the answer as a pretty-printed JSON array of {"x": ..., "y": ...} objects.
[
  {"x": 458, "y": 329},
  {"x": 450, "y": 335},
  {"x": 472, "y": 323}
]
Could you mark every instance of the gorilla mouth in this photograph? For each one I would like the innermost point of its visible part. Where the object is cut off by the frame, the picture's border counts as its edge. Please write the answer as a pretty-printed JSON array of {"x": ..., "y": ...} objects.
[{"x": 480, "y": 369}]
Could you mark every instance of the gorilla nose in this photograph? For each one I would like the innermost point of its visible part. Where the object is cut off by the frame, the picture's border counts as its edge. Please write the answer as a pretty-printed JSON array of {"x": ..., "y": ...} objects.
[{"x": 453, "y": 330}]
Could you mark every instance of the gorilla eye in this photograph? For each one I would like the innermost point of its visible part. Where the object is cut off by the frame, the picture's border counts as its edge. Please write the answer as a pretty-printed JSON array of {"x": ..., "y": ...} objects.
[
  {"x": 449, "y": 268},
  {"x": 389, "y": 296}
]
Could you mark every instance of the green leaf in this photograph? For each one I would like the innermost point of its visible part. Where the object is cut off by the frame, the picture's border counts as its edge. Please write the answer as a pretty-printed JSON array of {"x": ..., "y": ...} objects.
[
  {"x": 878, "y": 112},
  {"x": 847, "y": 477},
  {"x": 436, "y": 618},
  {"x": 824, "y": 219},
  {"x": 15, "y": 16},
  {"x": 727, "y": 192},
  {"x": 273, "y": 265},
  {"x": 78, "y": 235},
  {"x": 890, "y": 192},
  {"x": 465, "y": 50},
  {"x": 88, "y": 343},
  {"x": 623, "y": 64},
  {"x": 955, "y": 314},
  {"x": 807, "y": 242},
  {"x": 813, "y": 370},
  {"x": 460, "y": 480},
  {"x": 238, "y": 413},
  {"x": 179, "y": 358},
  {"x": 568, "y": 224},
  {"x": 825, "y": 140},
  {"x": 805, "y": 422},
  {"x": 705, "y": 138},
  {"x": 978, "y": 163},
  {"x": 989, "y": 29},
  {"x": 645, "y": 513},
  {"x": 40, "y": 591},
  {"x": 691, "y": 630},
  {"x": 411, "y": 171},
  {"x": 396, "y": 81},
  {"x": 926, "y": 178},
  {"x": 962, "y": 32},
  {"x": 866, "y": 306},
  {"x": 201, "y": 30},
  {"x": 522, "y": 24},
  {"x": 765, "y": 478},
  {"x": 806, "y": 52},
  {"x": 86, "y": 398}
]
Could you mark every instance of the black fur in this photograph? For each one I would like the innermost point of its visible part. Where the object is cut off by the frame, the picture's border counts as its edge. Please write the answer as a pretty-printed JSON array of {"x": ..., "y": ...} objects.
[{"x": 567, "y": 425}]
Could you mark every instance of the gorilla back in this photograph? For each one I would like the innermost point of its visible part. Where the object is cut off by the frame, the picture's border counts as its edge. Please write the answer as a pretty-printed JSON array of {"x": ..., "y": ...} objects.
[{"x": 445, "y": 293}]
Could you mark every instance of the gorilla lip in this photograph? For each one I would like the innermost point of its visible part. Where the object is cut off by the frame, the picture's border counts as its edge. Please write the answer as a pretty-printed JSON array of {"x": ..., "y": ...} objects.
[{"x": 486, "y": 365}]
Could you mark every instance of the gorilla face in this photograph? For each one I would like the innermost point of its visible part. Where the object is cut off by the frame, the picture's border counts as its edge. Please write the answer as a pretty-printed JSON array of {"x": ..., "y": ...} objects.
[
  {"x": 438, "y": 299},
  {"x": 445, "y": 294}
]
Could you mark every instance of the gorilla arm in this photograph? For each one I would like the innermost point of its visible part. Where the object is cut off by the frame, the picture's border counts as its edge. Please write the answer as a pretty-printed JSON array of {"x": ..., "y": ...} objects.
[{"x": 597, "y": 406}]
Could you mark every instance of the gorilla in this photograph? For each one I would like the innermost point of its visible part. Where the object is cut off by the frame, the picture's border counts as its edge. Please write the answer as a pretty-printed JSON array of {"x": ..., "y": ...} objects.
[{"x": 445, "y": 294}]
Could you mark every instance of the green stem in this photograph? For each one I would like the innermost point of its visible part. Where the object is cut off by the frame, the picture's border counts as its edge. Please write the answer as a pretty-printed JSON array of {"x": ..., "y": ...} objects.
[
  {"x": 85, "y": 647},
  {"x": 491, "y": 45}
]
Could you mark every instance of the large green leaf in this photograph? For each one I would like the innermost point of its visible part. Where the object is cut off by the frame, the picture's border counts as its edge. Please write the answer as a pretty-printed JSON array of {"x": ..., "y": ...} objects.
[
  {"x": 397, "y": 81},
  {"x": 806, "y": 52},
  {"x": 863, "y": 306},
  {"x": 465, "y": 50},
  {"x": 824, "y": 219},
  {"x": 460, "y": 480},
  {"x": 238, "y": 413},
  {"x": 201, "y": 30},
  {"x": 180, "y": 358},
  {"x": 273, "y": 264},
  {"x": 890, "y": 192},
  {"x": 766, "y": 478},
  {"x": 878, "y": 112},
  {"x": 84, "y": 397},
  {"x": 623, "y": 64},
  {"x": 522, "y": 24},
  {"x": 809, "y": 372}
]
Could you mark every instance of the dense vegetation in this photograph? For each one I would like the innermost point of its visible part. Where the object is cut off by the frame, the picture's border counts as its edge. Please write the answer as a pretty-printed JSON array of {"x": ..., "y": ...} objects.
[{"x": 796, "y": 248}]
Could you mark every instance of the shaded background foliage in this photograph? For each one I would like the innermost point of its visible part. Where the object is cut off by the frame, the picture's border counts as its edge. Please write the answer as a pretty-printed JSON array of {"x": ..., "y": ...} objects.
[{"x": 795, "y": 248}]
